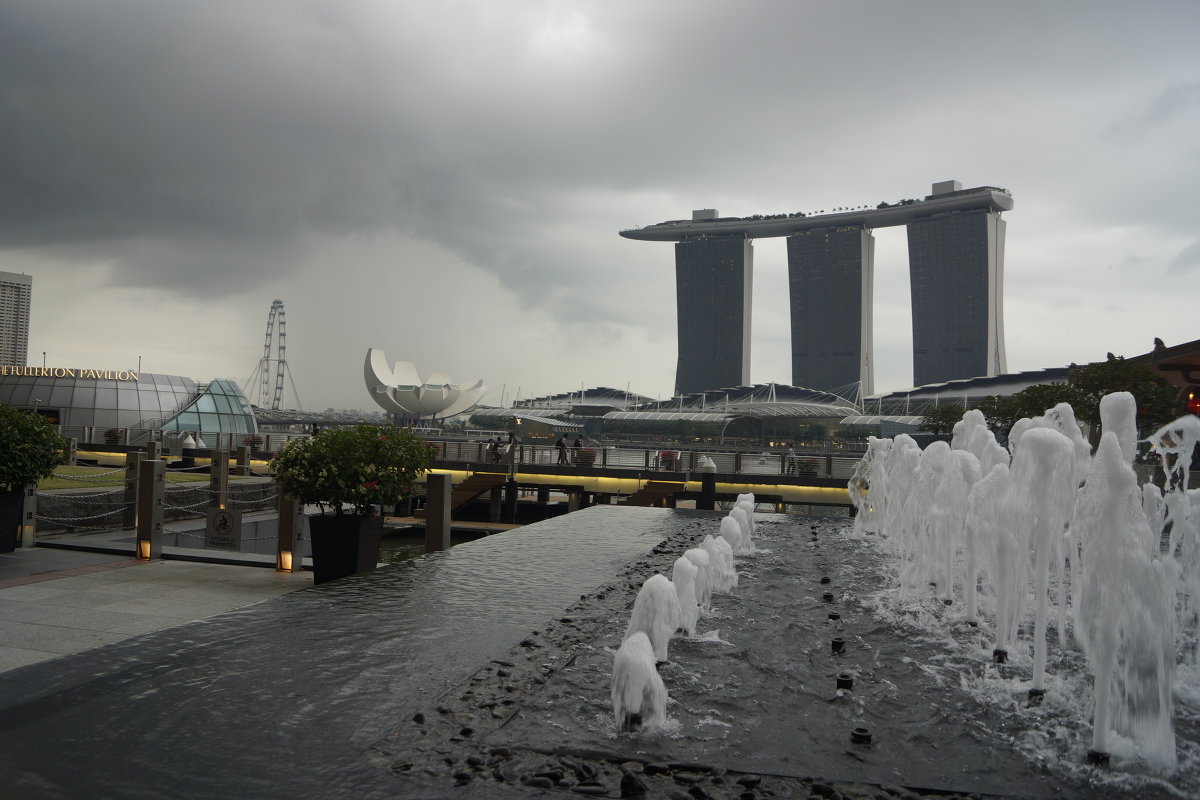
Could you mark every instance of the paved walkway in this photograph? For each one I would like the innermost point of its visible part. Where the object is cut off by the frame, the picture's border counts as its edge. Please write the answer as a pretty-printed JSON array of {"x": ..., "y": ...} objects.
[{"x": 56, "y": 602}]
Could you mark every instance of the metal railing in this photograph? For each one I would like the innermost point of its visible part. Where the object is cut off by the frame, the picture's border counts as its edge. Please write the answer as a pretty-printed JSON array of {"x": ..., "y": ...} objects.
[
  {"x": 650, "y": 459},
  {"x": 138, "y": 437}
]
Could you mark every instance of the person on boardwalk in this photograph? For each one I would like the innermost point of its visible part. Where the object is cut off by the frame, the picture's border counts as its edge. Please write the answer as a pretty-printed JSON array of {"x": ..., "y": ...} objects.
[
  {"x": 790, "y": 459},
  {"x": 561, "y": 444},
  {"x": 577, "y": 446},
  {"x": 493, "y": 450}
]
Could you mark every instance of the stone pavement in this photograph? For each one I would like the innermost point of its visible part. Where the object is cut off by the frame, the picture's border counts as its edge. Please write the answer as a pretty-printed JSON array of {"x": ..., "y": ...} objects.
[{"x": 55, "y": 602}]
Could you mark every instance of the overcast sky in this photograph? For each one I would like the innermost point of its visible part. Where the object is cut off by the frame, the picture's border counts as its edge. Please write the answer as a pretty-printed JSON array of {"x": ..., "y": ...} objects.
[{"x": 445, "y": 180}]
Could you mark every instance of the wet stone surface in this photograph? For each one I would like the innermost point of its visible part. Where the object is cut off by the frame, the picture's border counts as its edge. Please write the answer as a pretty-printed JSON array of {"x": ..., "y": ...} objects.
[
  {"x": 751, "y": 716},
  {"x": 280, "y": 699},
  {"x": 483, "y": 672}
]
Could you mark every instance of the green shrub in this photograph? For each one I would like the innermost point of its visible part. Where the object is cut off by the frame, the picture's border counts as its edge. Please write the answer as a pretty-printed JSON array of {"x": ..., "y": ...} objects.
[
  {"x": 359, "y": 466},
  {"x": 30, "y": 448}
]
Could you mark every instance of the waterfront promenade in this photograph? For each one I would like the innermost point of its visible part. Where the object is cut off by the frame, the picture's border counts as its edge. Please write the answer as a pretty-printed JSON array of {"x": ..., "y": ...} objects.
[{"x": 56, "y": 602}]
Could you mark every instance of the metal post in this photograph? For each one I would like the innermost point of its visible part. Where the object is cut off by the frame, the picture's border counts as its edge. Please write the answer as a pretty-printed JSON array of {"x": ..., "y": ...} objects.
[
  {"x": 151, "y": 484},
  {"x": 153, "y": 450},
  {"x": 243, "y": 460},
  {"x": 494, "y": 497},
  {"x": 510, "y": 501},
  {"x": 289, "y": 552},
  {"x": 129, "y": 516},
  {"x": 28, "y": 532},
  {"x": 437, "y": 512},
  {"x": 708, "y": 492},
  {"x": 218, "y": 479}
]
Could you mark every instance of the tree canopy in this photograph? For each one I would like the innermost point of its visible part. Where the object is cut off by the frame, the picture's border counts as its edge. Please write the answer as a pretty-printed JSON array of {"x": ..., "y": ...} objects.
[
  {"x": 941, "y": 420},
  {"x": 1157, "y": 402}
]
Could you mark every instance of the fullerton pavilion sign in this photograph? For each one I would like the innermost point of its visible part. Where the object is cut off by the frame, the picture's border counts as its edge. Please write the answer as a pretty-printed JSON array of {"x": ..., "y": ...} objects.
[{"x": 67, "y": 372}]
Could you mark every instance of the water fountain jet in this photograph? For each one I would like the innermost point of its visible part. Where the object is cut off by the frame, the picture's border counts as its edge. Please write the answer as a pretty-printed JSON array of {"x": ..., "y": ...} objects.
[
  {"x": 655, "y": 613},
  {"x": 638, "y": 694}
]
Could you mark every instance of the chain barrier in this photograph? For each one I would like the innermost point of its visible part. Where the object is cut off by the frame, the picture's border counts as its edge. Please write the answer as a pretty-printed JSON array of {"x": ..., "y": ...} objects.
[
  {"x": 86, "y": 502},
  {"x": 188, "y": 487},
  {"x": 98, "y": 477},
  {"x": 85, "y": 528},
  {"x": 272, "y": 499},
  {"x": 200, "y": 535},
  {"x": 117, "y": 510},
  {"x": 201, "y": 504},
  {"x": 80, "y": 497}
]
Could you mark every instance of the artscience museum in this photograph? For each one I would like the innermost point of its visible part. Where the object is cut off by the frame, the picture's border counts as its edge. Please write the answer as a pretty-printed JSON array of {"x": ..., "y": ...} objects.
[{"x": 400, "y": 390}]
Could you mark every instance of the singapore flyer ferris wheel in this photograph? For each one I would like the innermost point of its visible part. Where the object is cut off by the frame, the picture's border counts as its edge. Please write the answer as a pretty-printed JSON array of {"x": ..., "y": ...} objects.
[{"x": 272, "y": 363}]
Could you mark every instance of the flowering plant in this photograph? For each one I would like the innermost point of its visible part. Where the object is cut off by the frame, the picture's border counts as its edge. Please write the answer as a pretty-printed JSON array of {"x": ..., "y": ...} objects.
[
  {"x": 359, "y": 467},
  {"x": 31, "y": 448}
]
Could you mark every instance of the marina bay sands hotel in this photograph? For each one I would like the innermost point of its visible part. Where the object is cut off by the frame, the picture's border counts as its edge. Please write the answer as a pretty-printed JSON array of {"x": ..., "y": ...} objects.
[{"x": 956, "y": 271}]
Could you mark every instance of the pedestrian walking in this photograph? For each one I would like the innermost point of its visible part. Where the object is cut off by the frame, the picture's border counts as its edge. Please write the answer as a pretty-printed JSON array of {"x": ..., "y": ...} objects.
[{"x": 561, "y": 444}]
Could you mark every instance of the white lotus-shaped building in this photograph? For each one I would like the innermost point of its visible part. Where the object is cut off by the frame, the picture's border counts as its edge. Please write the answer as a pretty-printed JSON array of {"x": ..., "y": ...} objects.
[{"x": 400, "y": 390}]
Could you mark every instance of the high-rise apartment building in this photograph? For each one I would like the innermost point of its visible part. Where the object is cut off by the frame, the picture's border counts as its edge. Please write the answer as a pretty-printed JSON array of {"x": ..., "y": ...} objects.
[
  {"x": 830, "y": 283},
  {"x": 15, "y": 293},
  {"x": 713, "y": 279}
]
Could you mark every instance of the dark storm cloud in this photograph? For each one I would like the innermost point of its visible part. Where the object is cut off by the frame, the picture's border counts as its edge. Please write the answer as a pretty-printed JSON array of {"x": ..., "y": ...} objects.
[{"x": 186, "y": 143}]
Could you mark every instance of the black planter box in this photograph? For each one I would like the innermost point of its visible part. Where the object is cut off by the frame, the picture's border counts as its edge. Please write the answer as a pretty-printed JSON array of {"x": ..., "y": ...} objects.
[
  {"x": 11, "y": 505},
  {"x": 344, "y": 544}
]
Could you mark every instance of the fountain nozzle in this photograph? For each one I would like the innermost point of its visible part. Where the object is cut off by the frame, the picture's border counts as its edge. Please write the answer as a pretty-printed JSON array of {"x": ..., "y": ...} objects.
[{"x": 1000, "y": 655}]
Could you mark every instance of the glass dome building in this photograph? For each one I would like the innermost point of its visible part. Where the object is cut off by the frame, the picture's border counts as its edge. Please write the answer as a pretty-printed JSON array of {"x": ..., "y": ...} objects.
[{"x": 106, "y": 399}]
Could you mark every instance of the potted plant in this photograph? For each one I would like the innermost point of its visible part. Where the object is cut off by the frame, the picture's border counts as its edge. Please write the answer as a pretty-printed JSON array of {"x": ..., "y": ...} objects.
[
  {"x": 31, "y": 450},
  {"x": 347, "y": 472}
]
